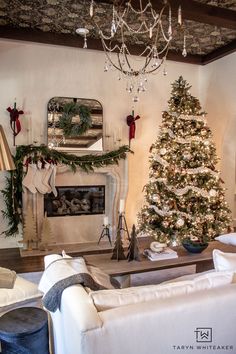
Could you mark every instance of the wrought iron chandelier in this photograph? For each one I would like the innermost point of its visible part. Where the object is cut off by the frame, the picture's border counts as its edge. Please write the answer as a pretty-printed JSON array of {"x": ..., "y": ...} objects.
[{"x": 154, "y": 30}]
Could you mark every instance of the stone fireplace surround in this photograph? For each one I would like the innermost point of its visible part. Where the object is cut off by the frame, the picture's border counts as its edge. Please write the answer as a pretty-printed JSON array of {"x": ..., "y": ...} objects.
[{"x": 84, "y": 228}]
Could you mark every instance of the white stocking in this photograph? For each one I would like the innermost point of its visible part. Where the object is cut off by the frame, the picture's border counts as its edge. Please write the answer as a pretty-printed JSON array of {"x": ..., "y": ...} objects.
[
  {"x": 52, "y": 180},
  {"x": 28, "y": 180},
  {"x": 47, "y": 175},
  {"x": 38, "y": 181}
]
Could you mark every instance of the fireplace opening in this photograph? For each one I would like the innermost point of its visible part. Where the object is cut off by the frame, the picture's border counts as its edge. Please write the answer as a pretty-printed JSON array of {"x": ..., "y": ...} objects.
[{"x": 75, "y": 200}]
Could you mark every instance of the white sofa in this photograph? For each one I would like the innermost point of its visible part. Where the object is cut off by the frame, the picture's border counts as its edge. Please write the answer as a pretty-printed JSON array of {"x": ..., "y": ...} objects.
[{"x": 164, "y": 325}]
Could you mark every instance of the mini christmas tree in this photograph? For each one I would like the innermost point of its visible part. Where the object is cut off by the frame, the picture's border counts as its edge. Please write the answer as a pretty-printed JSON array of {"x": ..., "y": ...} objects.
[
  {"x": 30, "y": 230},
  {"x": 118, "y": 250},
  {"x": 184, "y": 195},
  {"x": 46, "y": 235},
  {"x": 133, "y": 251}
]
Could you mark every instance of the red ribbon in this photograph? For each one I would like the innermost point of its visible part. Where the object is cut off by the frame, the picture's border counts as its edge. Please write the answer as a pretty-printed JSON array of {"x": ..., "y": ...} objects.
[
  {"x": 14, "y": 118},
  {"x": 131, "y": 123}
]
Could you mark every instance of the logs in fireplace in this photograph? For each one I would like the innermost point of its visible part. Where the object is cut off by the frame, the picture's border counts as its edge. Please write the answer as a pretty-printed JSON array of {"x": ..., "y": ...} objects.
[{"x": 75, "y": 200}]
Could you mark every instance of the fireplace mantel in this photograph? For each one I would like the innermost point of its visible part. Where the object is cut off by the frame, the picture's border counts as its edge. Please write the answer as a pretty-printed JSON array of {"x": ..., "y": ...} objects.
[{"x": 83, "y": 228}]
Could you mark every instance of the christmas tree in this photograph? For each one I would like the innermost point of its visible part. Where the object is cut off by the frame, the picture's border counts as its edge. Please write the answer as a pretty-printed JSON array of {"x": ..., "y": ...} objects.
[{"x": 184, "y": 196}]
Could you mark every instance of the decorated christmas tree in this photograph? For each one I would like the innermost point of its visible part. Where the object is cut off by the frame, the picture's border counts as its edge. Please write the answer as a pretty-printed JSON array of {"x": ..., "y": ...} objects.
[{"x": 184, "y": 195}]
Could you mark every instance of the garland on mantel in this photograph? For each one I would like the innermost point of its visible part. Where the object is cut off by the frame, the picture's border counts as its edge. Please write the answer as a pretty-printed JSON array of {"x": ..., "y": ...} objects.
[{"x": 13, "y": 192}]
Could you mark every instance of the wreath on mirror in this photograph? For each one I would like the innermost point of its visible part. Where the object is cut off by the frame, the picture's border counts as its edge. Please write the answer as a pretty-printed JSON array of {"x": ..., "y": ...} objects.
[{"x": 71, "y": 110}]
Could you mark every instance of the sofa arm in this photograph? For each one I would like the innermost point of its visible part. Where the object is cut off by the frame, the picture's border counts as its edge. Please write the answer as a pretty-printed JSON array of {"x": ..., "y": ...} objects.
[
  {"x": 76, "y": 316},
  {"x": 77, "y": 305}
]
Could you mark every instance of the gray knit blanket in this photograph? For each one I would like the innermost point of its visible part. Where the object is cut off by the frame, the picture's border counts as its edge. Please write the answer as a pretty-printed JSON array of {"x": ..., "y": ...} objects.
[{"x": 52, "y": 299}]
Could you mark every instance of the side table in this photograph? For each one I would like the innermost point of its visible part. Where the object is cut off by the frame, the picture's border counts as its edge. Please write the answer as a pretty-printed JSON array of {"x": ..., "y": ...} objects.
[{"x": 24, "y": 331}]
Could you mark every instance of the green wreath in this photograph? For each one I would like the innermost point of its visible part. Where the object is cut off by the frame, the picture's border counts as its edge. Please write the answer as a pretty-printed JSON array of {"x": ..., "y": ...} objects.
[{"x": 71, "y": 110}]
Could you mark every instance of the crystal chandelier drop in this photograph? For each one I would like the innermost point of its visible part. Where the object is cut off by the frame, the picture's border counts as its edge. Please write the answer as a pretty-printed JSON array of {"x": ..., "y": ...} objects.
[{"x": 129, "y": 25}]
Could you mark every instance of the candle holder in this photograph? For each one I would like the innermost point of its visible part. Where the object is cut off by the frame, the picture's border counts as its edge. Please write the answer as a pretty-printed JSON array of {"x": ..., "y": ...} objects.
[
  {"x": 105, "y": 233},
  {"x": 122, "y": 224}
]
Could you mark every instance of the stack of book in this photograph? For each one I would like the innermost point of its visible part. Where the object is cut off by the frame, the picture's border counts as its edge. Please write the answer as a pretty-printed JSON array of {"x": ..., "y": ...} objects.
[{"x": 168, "y": 253}]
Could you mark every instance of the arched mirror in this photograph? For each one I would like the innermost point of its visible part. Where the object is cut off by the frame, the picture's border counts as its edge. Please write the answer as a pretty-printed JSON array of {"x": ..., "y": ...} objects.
[{"x": 75, "y": 124}]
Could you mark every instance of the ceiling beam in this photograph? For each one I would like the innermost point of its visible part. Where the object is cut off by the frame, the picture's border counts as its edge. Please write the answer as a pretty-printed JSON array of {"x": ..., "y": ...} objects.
[
  {"x": 70, "y": 40},
  {"x": 212, "y": 15},
  {"x": 219, "y": 53},
  {"x": 195, "y": 11}
]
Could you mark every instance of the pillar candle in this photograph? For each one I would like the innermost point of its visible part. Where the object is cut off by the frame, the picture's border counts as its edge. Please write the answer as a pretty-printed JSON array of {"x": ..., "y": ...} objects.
[
  {"x": 105, "y": 221},
  {"x": 122, "y": 206}
]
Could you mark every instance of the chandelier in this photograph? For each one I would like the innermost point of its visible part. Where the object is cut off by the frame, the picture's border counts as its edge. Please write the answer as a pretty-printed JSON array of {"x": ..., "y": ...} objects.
[{"x": 129, "y": 25}]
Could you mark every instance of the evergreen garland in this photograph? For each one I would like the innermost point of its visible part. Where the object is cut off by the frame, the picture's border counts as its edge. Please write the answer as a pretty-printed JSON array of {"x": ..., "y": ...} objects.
[
  {"x": 71, "y": 110},
  {"x": 12, "y": 194}
]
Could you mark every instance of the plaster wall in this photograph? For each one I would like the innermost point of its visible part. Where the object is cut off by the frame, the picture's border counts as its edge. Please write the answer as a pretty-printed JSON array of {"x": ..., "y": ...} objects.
[
  {"x": 33, "y": 73},
  {"x": 217, "y": 89}
]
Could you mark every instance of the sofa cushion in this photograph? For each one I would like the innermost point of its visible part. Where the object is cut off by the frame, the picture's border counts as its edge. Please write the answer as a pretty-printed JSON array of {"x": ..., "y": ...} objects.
[
  {"x": 228, "y": 239},
  {"x": 224, "y": 260},
  {"x": 23, "y": 293},
  {"x": 187, "y": 277},
  {"x": 105, "y": 300}
]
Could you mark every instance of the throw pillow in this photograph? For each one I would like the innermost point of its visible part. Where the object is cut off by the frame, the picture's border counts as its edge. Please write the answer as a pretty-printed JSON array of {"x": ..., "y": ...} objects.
[
  {"x": 7, "y": 278},
  {"x": 105, "y": 300},
  {"x": 23, "y": 293},
  {"x": 97, "y": 274},
  {"x": 102, "y": 278},
  {"x": 228, "y": 239},
  {"x": 224, "y": 260},
  {"x": 58, "y": 269}
]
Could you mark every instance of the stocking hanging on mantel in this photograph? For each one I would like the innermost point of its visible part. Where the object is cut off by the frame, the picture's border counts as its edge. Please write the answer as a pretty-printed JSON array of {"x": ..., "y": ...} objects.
[
  {"x": 132, "y": 126},
  {"x": 14, "y": 121},
  {"x": 40, "y": 178}
]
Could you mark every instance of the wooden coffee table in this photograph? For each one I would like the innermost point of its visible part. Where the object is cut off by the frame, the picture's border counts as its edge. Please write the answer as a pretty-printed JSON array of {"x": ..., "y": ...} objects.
[{"x": 123, "y": 269}]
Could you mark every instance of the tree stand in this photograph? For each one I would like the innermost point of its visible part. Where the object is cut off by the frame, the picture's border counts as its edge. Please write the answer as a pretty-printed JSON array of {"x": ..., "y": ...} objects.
[
  {"x": 105, "y": 233},
  {"x": 122, "y": 224}
]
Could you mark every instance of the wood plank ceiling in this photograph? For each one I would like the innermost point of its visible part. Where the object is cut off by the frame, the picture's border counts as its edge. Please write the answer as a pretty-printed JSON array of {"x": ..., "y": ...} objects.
[{"x": 210, "y": 25}]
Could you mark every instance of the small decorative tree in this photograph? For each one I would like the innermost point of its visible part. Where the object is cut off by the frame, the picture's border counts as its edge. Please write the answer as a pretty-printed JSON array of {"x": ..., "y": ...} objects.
[
  {"x": 133, "y": 250},
  {"x": 118, "y": 250},
  {"x": 30, "y": 230},
  {"x": 46, "y": 235},
  {"x": 184, "y": 196}
]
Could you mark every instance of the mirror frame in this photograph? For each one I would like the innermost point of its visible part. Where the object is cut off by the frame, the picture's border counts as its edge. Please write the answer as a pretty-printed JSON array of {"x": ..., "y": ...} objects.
[{"x": 56, "y": 140}]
